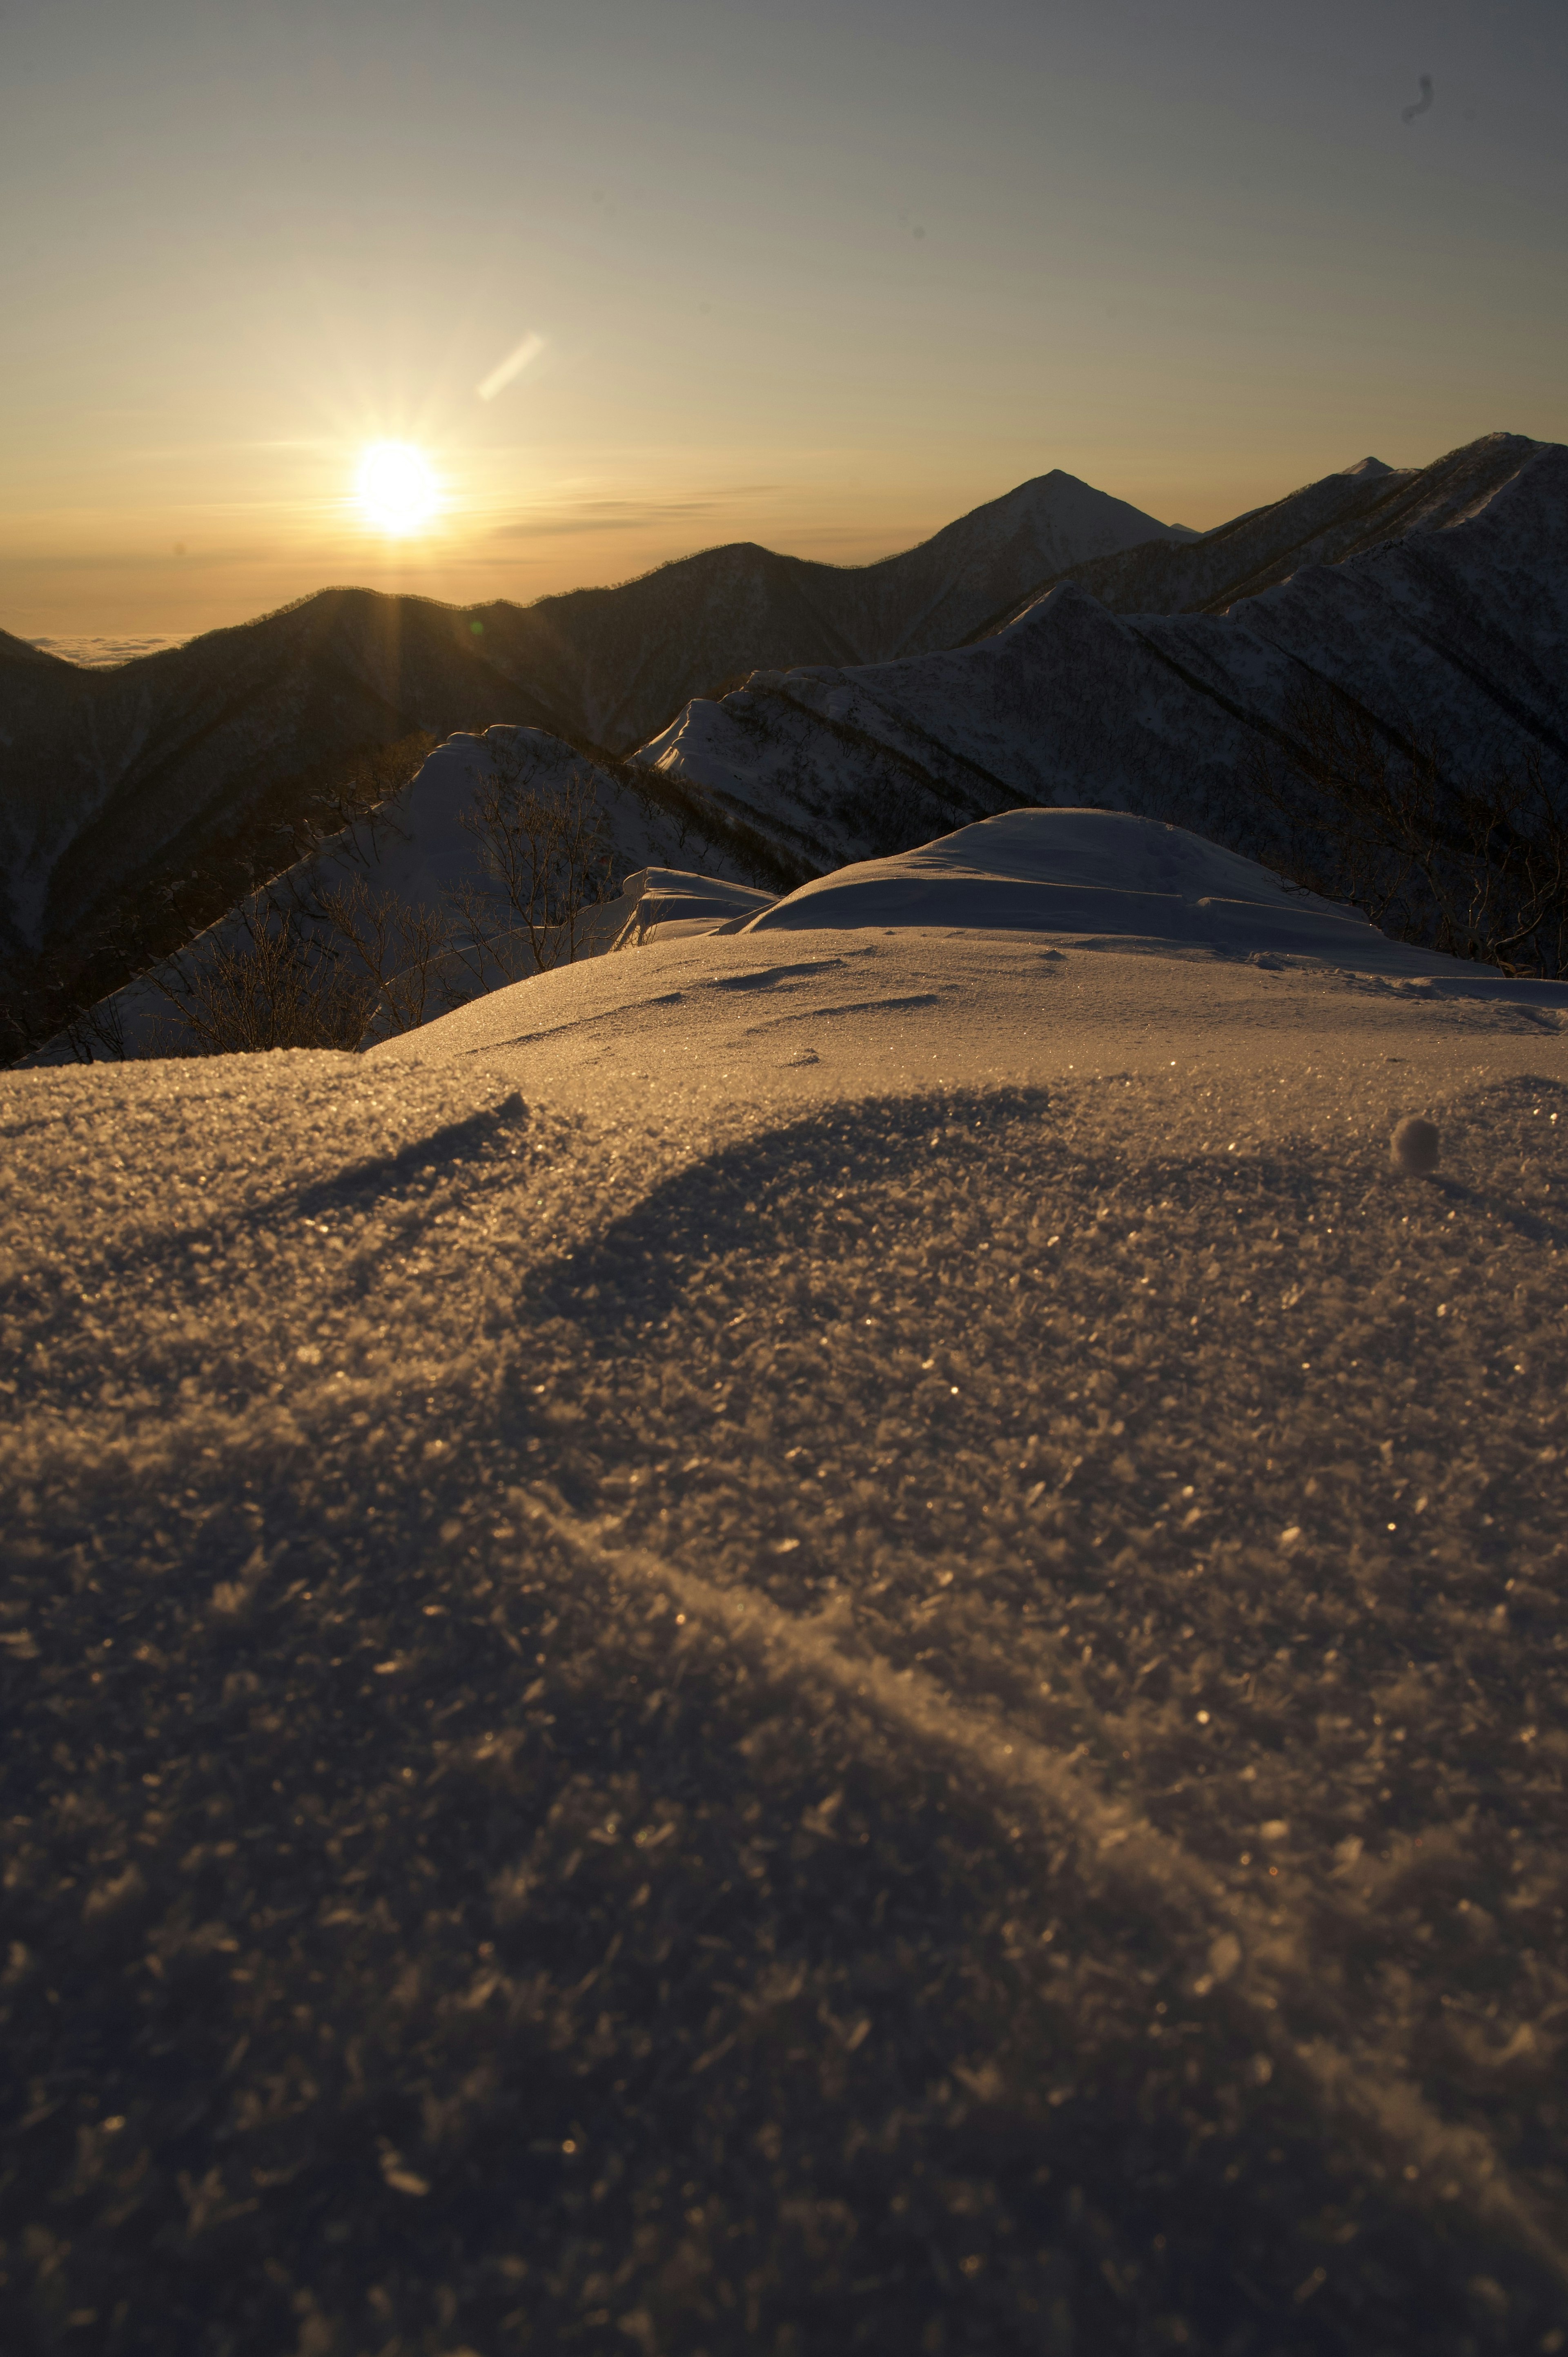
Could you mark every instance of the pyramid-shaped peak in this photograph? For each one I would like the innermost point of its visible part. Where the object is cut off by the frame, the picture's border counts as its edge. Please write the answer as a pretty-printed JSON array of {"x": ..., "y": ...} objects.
[{"x": 1367, "y": 467}]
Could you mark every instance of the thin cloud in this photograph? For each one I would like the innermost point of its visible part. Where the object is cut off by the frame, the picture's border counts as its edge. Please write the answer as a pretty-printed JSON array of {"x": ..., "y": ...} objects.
[
  {"x": 617, "y": 516},
  {"x": 511, "y": 368}
]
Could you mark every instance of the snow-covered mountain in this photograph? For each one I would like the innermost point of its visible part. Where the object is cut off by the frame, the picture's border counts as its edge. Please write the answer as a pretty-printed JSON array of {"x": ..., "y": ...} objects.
[
  {"x": 202, "y": 758},
  {"x": 1146, "y": 676},
  {"x": 1437, "y": 602},
  {"x": 418, "y": 860},
  {"x": 1325, "y": 523}
]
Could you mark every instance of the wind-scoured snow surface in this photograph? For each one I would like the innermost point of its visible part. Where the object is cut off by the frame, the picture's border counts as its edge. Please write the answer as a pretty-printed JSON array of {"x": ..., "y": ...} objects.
[{"x": 865, "y": 1654}]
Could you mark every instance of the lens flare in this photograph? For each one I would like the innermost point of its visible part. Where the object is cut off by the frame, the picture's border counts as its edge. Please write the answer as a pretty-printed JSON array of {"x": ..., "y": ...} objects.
[{"x": 396, "y": 488}]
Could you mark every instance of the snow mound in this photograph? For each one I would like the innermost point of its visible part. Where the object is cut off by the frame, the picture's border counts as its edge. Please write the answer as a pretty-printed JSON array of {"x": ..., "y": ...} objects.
[
  {"x": 1079, "y": 872},
  {"x": 668, "y": 904},
  {"x": 1413, "y": 1147}
]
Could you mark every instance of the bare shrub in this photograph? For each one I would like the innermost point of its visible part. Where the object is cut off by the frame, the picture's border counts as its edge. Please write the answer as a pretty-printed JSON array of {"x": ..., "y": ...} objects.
[
  {"x": 270, "y": 987},
  {"x": 547, "y": 858},
  {"x": 354, "y": 797},
  {"x": 394, "y": 949},
  {"x": 1477, "y": 869}
]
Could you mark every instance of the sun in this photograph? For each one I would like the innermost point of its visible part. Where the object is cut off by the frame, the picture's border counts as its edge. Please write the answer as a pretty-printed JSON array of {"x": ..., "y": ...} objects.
[{"x": 396, "y": 488}]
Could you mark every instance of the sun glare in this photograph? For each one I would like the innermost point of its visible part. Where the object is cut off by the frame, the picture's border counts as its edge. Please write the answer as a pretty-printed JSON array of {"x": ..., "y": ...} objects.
[{"x": 396, "y": 488}]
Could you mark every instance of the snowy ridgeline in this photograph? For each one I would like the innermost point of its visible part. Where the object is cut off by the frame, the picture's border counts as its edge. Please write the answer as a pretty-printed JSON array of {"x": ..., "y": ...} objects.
[
  {"x": 1073, "y": 874},
  {"x": 448, "y": 889},
  {"x": 789, "y": 1644},
  {"x": 1152, "y": 682}
]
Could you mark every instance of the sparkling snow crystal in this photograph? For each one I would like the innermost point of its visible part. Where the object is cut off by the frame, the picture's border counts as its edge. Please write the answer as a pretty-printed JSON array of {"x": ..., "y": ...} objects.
[{"x": 658, "y": 1701}]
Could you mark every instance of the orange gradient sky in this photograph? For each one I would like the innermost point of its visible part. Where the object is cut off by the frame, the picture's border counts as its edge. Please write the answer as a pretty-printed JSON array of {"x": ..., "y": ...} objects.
[{"x": 822, "y": 275}]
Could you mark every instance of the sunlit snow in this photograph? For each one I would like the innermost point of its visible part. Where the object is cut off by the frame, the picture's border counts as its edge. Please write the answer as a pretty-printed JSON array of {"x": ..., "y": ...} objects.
[{"x": 846, "y": 1634}]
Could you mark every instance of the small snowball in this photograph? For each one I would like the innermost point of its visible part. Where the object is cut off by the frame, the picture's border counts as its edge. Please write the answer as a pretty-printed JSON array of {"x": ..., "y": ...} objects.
[{"x": 1414, "y": 1147}]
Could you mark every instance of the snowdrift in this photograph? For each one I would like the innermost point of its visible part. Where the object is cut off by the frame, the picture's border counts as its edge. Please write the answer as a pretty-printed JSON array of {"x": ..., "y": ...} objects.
[
  {"x": 1082, "y": 872},
  {"x": 897, "y": 962},
  {"x": 672, "y": 903},
  {"x": 789, "y": 1644}
]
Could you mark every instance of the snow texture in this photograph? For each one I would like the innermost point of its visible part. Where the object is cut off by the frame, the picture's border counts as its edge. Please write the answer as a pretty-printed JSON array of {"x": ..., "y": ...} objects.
[{"x": 843, "y": 1643}]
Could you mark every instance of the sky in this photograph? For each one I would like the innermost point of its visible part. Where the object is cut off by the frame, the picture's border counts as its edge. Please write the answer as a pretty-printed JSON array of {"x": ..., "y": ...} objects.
[{"x": 821, "y": 274}]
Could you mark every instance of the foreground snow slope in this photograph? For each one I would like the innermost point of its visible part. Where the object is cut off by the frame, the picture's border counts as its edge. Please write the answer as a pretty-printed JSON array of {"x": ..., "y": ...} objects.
[
  {"x": 1060, "y": 926},
  {"x": 793, "y": 1645}
]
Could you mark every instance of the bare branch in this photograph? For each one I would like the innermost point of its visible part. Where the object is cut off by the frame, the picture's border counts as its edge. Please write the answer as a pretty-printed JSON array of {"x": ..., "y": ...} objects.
[
  {"x": 269, "y": 988},
  {"x": 396, "y": 950},
  {"x": 548, "y": 856}
]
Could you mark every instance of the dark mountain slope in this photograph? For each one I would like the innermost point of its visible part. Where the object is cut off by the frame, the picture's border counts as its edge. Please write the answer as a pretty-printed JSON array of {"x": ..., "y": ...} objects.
[
  {"x": 22, "y": 654},
  {"x": 191, "y": 773},
  {"x": 152, "y": 797},
  {"x": 611, "y": 657}
]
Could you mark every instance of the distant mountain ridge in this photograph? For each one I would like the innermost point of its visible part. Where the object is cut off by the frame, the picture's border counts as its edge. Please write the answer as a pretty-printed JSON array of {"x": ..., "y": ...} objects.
[
  {"x": 194, "y": 765},
  {"x": 1325, "y": 523},
  {"x": 1433, "y": 601}
]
